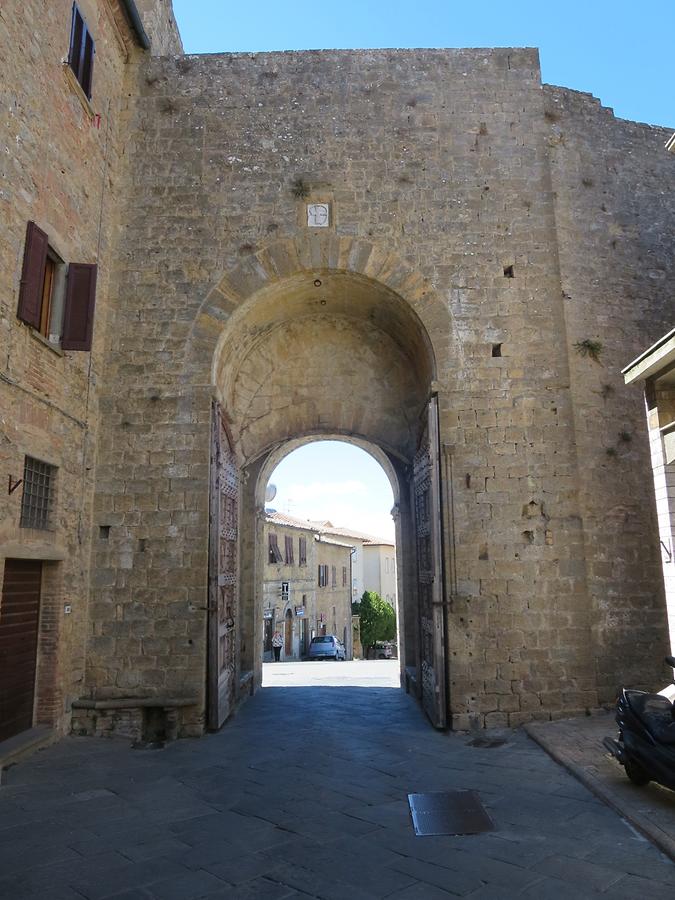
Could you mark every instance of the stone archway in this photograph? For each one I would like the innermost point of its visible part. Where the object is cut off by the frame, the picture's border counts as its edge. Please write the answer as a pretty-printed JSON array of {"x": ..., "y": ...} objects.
[{"x": 307, "y": 343}]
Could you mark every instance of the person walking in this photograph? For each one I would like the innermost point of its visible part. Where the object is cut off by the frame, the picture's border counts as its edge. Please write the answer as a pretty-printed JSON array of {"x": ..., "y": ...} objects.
[{"x": 277, "y": 644}]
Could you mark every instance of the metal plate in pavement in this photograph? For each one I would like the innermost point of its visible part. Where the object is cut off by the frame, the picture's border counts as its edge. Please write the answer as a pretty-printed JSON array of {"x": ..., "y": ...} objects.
[{"x": 449, "y": 812}]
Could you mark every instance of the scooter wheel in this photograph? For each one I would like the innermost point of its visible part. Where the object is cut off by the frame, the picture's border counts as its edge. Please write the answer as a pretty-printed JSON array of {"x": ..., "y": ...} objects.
[{"x": 636, "y": 773}]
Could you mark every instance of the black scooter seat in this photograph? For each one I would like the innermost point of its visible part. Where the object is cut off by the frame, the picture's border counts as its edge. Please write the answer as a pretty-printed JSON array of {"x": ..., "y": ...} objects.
[{"x": 656, "y": 714}]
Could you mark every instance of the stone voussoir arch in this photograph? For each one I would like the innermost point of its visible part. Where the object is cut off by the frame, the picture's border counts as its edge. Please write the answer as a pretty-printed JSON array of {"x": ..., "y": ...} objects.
[{"x": 288, "y": 257}]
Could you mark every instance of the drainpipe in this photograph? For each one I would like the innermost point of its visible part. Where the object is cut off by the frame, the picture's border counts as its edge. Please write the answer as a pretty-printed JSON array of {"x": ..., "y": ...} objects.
[{"x": 134, "y": 19}]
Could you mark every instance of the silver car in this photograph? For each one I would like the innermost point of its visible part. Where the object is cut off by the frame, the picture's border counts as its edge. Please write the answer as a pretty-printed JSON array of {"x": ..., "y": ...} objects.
[{"x": 327, "y": 646}]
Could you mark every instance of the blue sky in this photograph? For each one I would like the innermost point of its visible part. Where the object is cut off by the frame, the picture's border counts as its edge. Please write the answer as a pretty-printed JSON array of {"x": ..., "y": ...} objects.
[
  {"x": 620, "y": 51},
  {"x": 335, "y": 481}
]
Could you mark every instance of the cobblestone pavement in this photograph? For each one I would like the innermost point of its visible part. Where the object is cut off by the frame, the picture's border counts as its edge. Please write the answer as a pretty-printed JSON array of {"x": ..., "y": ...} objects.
[
  {"x": 577, "y": 744},
  {"x": 303, "y": 794}
]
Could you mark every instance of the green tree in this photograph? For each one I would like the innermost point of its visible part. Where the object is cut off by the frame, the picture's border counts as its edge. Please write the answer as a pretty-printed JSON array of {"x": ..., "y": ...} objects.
[{"x": 378, "y": 619}]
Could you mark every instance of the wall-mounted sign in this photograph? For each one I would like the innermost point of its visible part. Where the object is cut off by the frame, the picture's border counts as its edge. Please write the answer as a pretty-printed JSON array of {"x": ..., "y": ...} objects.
[
  {"x": 299, "y": 610},
  {"x": 268, "y": 613}
]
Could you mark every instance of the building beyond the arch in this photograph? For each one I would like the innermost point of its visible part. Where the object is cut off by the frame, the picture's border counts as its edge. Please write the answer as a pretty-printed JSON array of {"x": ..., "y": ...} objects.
[{"x": 317, "y": 243}]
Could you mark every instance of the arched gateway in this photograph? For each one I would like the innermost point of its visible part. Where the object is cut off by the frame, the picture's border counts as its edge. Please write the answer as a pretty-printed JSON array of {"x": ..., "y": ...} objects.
[
  {"x": 322, "y": 338},
  {"x": 390, "y": 247}
]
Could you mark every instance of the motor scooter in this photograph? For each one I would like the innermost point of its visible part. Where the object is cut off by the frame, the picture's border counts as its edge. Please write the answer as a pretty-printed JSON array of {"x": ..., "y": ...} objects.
[{"x": 645, "y": 746}]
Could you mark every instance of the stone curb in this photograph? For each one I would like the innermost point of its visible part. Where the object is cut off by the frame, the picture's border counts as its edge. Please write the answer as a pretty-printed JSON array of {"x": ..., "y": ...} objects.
[{"x": 648, "y": 829}]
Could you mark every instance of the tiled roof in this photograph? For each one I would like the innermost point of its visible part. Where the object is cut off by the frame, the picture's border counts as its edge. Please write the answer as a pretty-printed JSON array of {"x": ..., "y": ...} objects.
[
  {"x": 324, "y": 528},
  {"x": 352, "y": 533},
  {"x": 277, "y": 518}
]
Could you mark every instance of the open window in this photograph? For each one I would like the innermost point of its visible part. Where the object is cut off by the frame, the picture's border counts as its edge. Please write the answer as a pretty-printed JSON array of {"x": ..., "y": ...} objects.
[
  {"x": 274, "y": 551},
  {"x": 81, "y": 51},
  {"x": 56, "y": 299}
]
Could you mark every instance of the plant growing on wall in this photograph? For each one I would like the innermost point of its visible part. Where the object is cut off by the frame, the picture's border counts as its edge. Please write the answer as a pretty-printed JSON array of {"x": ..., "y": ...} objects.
[
  {"x": 590, "y": 348},
  {"x": 378, "y": 619},
  {"x": 300, "y": 188}
]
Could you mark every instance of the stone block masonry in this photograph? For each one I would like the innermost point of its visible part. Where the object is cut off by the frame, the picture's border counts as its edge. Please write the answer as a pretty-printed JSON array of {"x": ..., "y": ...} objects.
[{"x": 489, "y": 208}]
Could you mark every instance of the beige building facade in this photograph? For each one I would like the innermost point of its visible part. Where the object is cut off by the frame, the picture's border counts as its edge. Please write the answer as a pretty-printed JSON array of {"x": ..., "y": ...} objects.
[
  {"x": 379, "y": 566},
  {"x": 656, "y": 369},
  {"x": 427, "y": 253},
  {"x": 305, "y": 589}
]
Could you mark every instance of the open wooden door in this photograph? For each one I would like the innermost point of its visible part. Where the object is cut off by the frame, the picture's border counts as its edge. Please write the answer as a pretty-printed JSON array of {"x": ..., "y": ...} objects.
[
  {"x": 430, "y": 576},
  {"x": 223, "y": 576}
]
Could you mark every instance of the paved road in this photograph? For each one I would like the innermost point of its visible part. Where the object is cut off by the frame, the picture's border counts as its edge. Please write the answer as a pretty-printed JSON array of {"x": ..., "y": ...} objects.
[
  {"x": 358, "y": 673},
  {"x": 303, "y": 794}
]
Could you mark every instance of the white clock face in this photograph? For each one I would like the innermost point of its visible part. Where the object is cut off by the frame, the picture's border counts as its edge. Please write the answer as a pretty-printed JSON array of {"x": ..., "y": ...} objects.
[{"x": 317, "y": 215}]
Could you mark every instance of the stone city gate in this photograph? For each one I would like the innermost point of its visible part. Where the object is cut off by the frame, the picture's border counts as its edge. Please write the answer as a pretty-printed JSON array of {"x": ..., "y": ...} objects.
[{"x": 392, "y": 226}]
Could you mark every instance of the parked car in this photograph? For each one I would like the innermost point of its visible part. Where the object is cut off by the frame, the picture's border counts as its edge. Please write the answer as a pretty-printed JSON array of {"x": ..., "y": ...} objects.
[
  {"x": 327, "y": 646},
  {"x": 384, "y": 650}
]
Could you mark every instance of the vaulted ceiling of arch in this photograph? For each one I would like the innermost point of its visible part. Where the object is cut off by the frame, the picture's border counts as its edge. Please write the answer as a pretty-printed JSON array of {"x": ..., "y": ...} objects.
[{"x": 325, "y": 352}]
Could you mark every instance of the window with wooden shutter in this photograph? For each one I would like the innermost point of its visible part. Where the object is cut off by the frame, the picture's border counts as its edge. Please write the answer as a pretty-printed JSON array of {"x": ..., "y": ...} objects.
[
  {"x": 46, "y": 288},
  {"x": 274, "y": 551},
  {"x": 333, "y": 576},
  {"x": 288, "y": 547},
  {"x": 323, "y": 576},
  {"x": 33, "y": 276},
  {"x": 344, "y": 576},
  {"x": 302, "y": 550},
  {"x": 81, "y": 51},
  {"x": 78, "y": 320}
]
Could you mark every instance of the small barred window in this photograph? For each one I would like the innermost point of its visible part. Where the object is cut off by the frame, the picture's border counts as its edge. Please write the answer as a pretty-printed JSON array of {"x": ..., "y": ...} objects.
[{"x": 38, "y": 494}]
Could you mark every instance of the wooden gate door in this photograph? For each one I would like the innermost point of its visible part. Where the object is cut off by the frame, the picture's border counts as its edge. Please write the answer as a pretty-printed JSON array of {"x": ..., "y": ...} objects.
[
  {"x": 19, "y": 615},
  {"x": 223, "y": 578},
  {"x": 430, "y": 580}
]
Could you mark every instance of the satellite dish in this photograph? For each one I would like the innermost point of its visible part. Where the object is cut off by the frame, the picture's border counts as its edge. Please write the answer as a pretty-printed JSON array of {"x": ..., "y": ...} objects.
[{"x": 270, "y": 493}]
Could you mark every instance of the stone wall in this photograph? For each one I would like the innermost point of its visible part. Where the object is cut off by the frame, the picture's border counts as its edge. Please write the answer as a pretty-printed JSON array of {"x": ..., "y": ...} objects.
[
  {"x": 452, "y": 197},
  {"x": 160, "y": 25},
  {"x": 613, "y": 213},
  {"x": 59, "y": 168}
]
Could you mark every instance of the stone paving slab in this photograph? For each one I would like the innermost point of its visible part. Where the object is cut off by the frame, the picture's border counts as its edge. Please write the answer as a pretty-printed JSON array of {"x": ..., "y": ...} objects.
[
  {"x": 304, "y": 794},
  {"x": 577, "y": 744}
]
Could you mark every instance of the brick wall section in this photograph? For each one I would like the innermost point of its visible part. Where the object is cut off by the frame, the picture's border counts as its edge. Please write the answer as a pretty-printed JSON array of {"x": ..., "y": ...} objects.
[
  {"x": 58, "y": 167},
  {"x": 614, "y": 218},
  {"x": 442, "y": 158}
]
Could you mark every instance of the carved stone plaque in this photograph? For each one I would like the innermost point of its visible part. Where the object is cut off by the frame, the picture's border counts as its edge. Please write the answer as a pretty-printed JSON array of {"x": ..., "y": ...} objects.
[{"x": 318, "y": 215}]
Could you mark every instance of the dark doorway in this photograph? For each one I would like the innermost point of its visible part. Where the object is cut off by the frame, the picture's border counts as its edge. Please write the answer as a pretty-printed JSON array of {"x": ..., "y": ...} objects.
[
  {"x": 19, "y": 616},
  {"x": 267, "y": 638}
]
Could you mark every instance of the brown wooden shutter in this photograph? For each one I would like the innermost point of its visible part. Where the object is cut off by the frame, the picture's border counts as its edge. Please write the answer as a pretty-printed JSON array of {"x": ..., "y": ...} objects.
[
  {"x": 78, "y": 320},
  {"x": 32, "y": 275}
]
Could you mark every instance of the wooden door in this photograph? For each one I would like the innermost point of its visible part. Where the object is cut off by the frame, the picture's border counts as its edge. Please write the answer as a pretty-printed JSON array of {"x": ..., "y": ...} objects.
[
  {"x": 288, "y": 634},
  {"x": 19, "y": 616},
  {"x": 430, "y": 580},
  {"x": 223, "y": 576}
]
